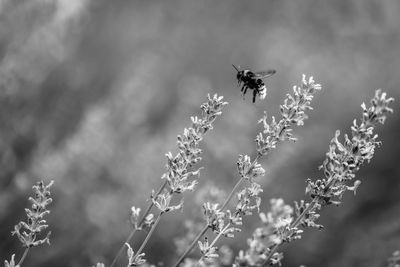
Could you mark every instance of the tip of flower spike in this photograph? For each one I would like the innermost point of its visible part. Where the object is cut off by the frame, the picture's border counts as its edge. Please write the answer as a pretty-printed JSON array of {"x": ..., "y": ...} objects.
[
  {"x": 215, "y": 97},
  {"x": 311, "y": 83},
  {"x": 303, "y": 78}
]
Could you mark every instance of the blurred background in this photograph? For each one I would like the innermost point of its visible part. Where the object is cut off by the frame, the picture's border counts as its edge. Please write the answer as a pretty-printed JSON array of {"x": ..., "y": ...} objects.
[{"x": 94, "y": 92}]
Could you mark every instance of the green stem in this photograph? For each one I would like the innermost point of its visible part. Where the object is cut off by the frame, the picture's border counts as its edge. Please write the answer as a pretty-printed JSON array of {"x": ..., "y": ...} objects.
[
  {"x": 132, "y": 233},
  {"x": 23, "y": 256}
]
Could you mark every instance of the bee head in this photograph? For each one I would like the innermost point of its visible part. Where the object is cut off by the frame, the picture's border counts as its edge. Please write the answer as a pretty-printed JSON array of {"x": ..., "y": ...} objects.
[{"x": 240, "y": 75}]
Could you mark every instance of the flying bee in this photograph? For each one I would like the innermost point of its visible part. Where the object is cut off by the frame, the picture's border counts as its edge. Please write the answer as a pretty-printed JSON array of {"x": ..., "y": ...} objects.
[{"x": 253, "y": 80}]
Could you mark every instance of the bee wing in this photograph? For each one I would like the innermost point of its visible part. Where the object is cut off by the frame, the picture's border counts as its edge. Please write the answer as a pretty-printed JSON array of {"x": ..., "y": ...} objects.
[{"x": 264, "y": 74}]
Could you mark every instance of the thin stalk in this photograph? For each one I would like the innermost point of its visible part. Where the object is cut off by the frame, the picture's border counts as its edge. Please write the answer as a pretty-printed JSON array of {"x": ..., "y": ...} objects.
[
  {"x": 194, "y": 242},
  {"x": 298, "y": 219},
  {"x": 216, "y": 239},
  {"x": 187, "y": 251},
  {"x": 227, "y": 200},
  {"x": 219, "y": 235},
  {"x": 149, "y": 234},
  {"x": 305, "y": 211},
  {"x": 23, "y": 257},
  {"x": 132, "y": 233}
]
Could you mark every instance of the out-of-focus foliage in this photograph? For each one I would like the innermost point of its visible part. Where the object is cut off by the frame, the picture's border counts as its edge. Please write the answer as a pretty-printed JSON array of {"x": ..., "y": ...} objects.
[
  {"x": 94, "y": 92},
  {"x": 394, "y": 260}
]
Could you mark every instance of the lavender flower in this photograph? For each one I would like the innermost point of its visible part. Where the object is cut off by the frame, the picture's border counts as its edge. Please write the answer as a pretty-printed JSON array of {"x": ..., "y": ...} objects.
[
  {"x": 293, "y": 112},
  {"x": 134, "y": 259},
  {"x": 135, "y": 217},
  {"x": 29, "y": 232},
  {"x": 178, "y": 173},
  {"x": 179, "y": 176},
  {"x": 275, "y": 230},
  {"x": 342, "y": 161},
  {"x": 208, "y": 251}
]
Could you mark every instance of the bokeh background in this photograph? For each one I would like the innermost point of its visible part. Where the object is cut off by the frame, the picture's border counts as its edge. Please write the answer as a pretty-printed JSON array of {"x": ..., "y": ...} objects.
[{"x": 94, "y": 92}]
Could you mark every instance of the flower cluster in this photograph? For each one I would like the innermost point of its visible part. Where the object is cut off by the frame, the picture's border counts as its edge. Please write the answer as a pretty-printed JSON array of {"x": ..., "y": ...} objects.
[
  {"x": 344, "y": 159},
  {"x": 222, "y": 223},
  {"x": 226, "y": 223},
  {"x": 247, "y": 170},
  {"x": 134, "y": 219},
  {"x": 136, "y": 223},
  {"x": 208, "y": 251},
  {"x": 207, "y": 193},
  {"x": 293, "y": 111},
  {"x": 275, "y": 229},
  {"x": 248, "y": 199},
  {"x": 179, "y": 176},
  {"x": 178, "y": 173},
  {"x": 162, "y": 202},
  {"x": 219, "y": 221},
  {"x": 134, "y": 260},
  {"x": 27, "y": 232},
  {"x": 340, "y": 165}
]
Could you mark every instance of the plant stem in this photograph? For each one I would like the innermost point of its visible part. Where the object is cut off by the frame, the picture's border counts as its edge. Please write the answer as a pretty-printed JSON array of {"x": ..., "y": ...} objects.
[
  {"x": 149, "y": 234},
  {"x": 301, "y": 216},
  {"x": 215, "y": 240},
  {"x": 132, "y": 233},
  {"x": 23, "y": 256},
  {"x": 227, "y": 200},
  {"x": 219, "y": 235},
  {"x": 294, "y": 224},
  {"x": 194, "y": 242}
]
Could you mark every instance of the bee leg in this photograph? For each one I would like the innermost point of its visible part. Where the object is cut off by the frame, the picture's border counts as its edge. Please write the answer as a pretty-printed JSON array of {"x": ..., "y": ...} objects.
[
  {"x": 254, "y": 95},
  {"x": 245, "y": 91},
  {"x": 244, "y": 85}
]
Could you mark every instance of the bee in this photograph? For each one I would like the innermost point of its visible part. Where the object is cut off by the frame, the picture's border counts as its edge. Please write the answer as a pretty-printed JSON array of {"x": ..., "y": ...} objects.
[{"x": 253, "y": 80}]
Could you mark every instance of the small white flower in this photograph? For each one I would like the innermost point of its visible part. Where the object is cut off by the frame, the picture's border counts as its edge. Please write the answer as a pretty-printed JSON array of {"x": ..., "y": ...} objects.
[{"x": 135, "y": 216}]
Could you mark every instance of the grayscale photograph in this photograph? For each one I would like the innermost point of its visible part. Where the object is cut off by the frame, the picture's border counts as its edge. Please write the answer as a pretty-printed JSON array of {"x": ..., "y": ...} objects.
[{"x": 195, "y": 133}]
